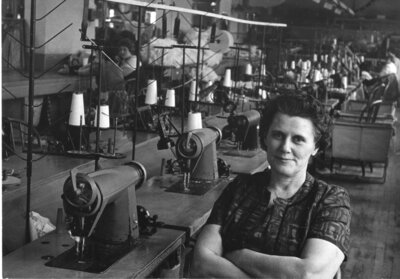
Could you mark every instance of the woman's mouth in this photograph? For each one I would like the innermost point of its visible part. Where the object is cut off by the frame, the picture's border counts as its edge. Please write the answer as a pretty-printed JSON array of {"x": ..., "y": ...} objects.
[{"x": 283, "y": 159}]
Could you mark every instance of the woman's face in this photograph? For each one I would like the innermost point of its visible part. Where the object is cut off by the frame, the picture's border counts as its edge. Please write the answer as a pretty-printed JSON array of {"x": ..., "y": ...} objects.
[
  {"x": 290, "y": 142},
  {"x": 124, "y": 52}
]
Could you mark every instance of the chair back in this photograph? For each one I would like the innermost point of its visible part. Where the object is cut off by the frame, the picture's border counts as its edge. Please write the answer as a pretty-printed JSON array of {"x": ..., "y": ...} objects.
[
  {"x": 15, "y": 137},
  {"x": 368, "y": 142}
]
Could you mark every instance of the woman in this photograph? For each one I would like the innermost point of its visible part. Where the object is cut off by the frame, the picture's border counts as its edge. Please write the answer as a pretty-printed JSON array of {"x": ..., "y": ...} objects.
[
  {"x": 280, "y": 223},
  {"x": 126, "y": 56}
]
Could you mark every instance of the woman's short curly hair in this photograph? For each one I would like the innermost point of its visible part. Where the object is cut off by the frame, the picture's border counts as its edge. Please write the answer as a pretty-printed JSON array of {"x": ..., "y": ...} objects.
[
  {"x": 128, "y": 43},
  {"x": 301, "y": 105}
]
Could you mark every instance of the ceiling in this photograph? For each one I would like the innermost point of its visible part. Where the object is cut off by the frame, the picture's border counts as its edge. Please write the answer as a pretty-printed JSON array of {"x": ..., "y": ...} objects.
[{"x": 295, "y": 9}]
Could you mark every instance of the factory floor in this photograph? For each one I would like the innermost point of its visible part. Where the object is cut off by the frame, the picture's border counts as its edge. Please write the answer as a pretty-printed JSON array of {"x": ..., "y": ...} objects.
[{"x": 375, "y": 225}]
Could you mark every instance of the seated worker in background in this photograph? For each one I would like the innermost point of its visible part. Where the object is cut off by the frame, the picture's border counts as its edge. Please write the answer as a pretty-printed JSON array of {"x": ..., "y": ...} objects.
[
  {"x": 117, "y": 64},
  {"x": 389, "y": 76},
  {"x": 282, "y": 222},
  {"x": 126, "y": 57}
]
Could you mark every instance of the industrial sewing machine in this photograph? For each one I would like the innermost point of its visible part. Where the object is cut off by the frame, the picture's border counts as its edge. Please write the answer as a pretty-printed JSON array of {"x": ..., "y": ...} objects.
[
  {"x": 197, "y": 154},
  {"x": 101, "y": 216},
  {"x": 242, "y": 129}
]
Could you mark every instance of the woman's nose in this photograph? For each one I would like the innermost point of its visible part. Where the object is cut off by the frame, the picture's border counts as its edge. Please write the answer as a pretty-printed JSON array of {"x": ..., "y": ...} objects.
[{"x": 285, "y": 145}]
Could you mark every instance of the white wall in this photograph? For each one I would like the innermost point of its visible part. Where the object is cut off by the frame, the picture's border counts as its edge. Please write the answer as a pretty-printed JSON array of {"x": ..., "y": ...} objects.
[{"x": 67, "y": 42}]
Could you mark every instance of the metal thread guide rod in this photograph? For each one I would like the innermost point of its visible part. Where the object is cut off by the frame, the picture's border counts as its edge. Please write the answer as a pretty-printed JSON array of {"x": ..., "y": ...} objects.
[{"x": 135, "y": 111}]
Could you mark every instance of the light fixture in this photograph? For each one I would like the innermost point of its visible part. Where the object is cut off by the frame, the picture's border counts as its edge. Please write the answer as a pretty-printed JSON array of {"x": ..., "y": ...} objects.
[
  {"x": 150, "y": 17},
  {"x": 337, "y": 6}
]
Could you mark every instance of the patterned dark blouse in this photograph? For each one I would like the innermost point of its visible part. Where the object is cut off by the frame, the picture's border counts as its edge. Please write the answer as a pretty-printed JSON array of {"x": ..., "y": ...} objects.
[{"x": 317, "y": 210}]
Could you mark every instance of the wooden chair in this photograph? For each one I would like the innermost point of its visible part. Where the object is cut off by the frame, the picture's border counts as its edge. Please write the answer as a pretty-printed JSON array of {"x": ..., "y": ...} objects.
[
  {"x": 15, "y": 137},
  {"x": 363, "y": 111},
  {"x": 361, "y": 143}
]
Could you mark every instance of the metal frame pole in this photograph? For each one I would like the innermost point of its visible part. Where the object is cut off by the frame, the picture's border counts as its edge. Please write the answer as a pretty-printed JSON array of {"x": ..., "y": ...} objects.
[
  {"x": 135, "y": 111},
  {"x": 30, "y": 118}
]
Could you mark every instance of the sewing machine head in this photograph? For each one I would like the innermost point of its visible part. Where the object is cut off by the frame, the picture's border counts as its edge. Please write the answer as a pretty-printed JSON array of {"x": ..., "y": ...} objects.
[
  {"x": 101, "y": 215},
  {"x": 243, "y": 127},
  {"x": 198, "y": 147}
]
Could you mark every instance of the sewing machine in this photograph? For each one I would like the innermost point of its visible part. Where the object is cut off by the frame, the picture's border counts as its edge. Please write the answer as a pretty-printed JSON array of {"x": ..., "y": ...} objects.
[
  {"x": 101, "y": 216},
  {"x": 243, "y": 129},
  {"x": 197, "y": 153}
]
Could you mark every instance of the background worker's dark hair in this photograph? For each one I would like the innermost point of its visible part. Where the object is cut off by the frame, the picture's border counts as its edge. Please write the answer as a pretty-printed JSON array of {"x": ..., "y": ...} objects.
[{"x": 128, "y": 43}]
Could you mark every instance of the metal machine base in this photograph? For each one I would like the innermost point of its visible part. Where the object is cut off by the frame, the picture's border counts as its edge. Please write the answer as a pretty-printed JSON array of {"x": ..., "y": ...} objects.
[{"x": 96, "y": 262}]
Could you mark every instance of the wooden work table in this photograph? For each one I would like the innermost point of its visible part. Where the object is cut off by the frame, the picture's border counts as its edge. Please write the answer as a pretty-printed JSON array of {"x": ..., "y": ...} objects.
[
  {"x": 50, "y": 83},
  {"x": 49, "y": 175},
  {"x": 184, "y": 211},
  {"x": 243, "y": 161},
  {"x": 51, "y": 172},
  {"x": 29, "y": 261}
]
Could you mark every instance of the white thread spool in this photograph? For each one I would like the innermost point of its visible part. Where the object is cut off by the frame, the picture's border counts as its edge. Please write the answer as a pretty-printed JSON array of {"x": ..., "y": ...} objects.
[
  {"x": 248, "y": 84},
  {"x": 315, "y": 57},
  {"x": 362, "y": 59},
  {"x": 344, "y": 82},
  {"x": 77, "y": 110},
  {"x": 194, "y": 121},
  {"x": 249, "y": 69},
  {"x": 104, "y": 117},
  {"x": 151, "y": 92},
  {"x": 317, "y": 76},
  {"x": 264, "y": 94},
  {"x": 299, "y": 63},
  {"x": 263, "y": 70},
  {"x": 325, "y": 73},
  {"x": 227, "y": 79},
  {"x": 170, "y": 98},
  {"x": 293, "y": 65},
  {"x": 85, "y": 60},
  {"x": 192, "y": 91}
]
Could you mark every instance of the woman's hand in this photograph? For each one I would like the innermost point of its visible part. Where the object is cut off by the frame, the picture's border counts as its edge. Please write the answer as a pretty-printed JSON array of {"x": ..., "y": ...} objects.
[
  {"x": 320, "y": 259},
  {"x": 208, "y": 260}
]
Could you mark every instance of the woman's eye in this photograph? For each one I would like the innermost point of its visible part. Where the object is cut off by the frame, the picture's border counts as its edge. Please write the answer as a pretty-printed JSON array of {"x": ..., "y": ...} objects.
[
  {"x": 298, "y": 139},
  {"x": 277, "y": 135}
]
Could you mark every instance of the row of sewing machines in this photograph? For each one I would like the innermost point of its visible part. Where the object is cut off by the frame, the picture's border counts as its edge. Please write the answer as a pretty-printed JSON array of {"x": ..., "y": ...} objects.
[{"x": 103, "y": 216}]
